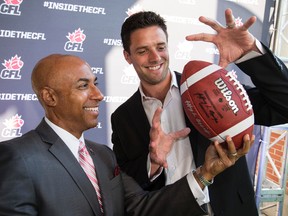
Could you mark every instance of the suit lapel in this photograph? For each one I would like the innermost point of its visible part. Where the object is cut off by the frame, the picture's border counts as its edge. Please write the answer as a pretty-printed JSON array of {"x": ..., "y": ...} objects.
[
  {"x": 63, "y": 154},
  {"x": 140, "y": 119}
]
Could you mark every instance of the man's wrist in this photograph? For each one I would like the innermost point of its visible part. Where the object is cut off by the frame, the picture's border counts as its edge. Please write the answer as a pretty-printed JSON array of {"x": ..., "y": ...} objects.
[
  {"x": 155, "y": 169},
  {"x": 257, "y": 51},
  {"x": 201, "y": 179}
]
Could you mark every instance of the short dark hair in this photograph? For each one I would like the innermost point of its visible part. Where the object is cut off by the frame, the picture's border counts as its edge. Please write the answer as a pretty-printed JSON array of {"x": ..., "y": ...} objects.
[{"x": 139, "y": 20}]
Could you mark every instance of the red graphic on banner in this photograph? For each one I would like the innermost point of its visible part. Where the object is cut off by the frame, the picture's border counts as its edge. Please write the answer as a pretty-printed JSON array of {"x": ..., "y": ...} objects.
[
  {"x": 13, "y": 2},
  {"x": 77, "y": 36},
  {"x": 238, "y": 22},
  {"x": 14, "y": 122},
  {"x": 14, "y": 63},
  {"x": 133, "y": 10}
]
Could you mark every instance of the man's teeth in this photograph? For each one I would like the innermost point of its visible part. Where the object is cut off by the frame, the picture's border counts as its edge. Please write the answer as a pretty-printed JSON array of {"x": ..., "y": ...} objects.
[
  {"x": 94, "y": 109},
  {"x": 154, "y": 68}
]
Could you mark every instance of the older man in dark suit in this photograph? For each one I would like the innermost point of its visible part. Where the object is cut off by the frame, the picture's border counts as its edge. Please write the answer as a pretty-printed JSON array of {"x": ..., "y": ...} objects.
[{"x": 54, "y": 171}]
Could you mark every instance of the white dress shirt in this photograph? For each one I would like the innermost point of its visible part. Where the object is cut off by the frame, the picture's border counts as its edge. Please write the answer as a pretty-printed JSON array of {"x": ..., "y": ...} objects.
[
  {"x": 180, "y": 159},
  {"x": 70, "y": 140}
]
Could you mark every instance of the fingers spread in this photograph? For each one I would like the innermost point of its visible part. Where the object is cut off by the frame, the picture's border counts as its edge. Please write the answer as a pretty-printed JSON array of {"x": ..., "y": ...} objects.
[
  {"x": 201, "y": 37},
  {"x": 180, "y": 134},
  {"x": 248, "y": 23},
  {"x": 156, "y": 125},
  {"x": 157, "y": 116},
  {"x": 230, "y": 21},
  {"x": 210, "y": 22}
]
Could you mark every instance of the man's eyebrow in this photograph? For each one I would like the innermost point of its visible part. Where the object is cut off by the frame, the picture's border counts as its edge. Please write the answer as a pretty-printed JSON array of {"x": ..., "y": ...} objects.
[
  {"x": 141, "y": 47},
  {"x": 158, "y": 44},
  {"x": 86, "y": 79},
  {"x": 83, "y": 80}
]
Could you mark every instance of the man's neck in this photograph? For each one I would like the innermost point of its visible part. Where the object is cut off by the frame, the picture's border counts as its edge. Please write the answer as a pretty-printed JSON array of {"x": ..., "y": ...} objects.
[{"x": 158, "y": 91}]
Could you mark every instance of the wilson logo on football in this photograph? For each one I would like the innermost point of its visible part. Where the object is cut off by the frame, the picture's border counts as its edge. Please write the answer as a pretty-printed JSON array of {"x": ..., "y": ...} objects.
[
  {"x": 12, "y": 68},
  {"x": 11, "y": 7},
  {"x": 221, "y": 85},
  {"x": 75, "y": 43}
]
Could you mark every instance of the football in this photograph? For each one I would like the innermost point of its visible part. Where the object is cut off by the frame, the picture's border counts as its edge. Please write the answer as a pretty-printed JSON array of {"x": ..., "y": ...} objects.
[{"x": 215, "y": 102}]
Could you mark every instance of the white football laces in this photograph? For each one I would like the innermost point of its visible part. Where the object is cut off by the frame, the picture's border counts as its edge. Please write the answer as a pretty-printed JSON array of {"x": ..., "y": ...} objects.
[{"x": 239, "y": 87}]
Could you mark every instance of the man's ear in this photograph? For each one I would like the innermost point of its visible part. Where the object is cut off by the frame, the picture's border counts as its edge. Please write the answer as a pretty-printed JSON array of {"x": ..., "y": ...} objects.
[
  {"x": 127, "y": 56},
  {"x": 48, "y": 96}
]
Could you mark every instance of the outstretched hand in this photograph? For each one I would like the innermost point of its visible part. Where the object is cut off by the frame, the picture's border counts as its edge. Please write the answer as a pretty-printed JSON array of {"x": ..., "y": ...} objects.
[
  {"x": 219, "y": 158},
  {"x": 232, "y": 41},
  {"x": 160, "y": 142}
]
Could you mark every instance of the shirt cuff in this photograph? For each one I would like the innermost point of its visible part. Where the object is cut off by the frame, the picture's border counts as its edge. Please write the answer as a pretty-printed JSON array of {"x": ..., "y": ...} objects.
[
  {"x": 159, "y": 171},
  {"x": 252, "y": 54},
  {"x": 201, "y": 196}
]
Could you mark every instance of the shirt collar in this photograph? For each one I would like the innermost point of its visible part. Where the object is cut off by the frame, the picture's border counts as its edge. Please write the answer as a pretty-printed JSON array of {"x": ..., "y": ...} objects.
[{"x": 63, "y": 134}]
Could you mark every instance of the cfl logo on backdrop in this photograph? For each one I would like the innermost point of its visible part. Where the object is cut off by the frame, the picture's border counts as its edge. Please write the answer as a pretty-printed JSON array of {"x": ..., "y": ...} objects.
[
  {"x": 133, "y": 10},
  {"x": 129, "y": 76},
  {"x": 13, "y": 126},
  {"x": 184, "y": 50},
  {"x": 11, "y": 7},
  {"x": 238, "y": 22},
  {"x": 76, "y": 39},
  {"x": 12, "y": 68}
]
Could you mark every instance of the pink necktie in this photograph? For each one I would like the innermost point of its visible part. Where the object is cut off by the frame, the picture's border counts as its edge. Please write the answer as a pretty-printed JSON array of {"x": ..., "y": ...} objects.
[{"x": 87, "y": 164}]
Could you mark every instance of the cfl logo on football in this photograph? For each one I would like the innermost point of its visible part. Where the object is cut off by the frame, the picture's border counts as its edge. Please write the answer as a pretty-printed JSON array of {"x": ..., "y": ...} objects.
[
  {"x": 221, "y": 85},
  {"x": 10, "y": 9}
]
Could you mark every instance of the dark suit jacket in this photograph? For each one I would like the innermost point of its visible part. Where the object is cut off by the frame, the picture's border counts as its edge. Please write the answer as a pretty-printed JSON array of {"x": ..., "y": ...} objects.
[
  {"x": 40, "y": 176},
  {"x": 232, "y": 191}
]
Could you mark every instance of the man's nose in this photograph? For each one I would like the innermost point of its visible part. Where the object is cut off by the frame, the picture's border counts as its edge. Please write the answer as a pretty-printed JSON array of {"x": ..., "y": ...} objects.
[
  {"x": 97, "y": 94},
  {"x": 154, "y": 55}
]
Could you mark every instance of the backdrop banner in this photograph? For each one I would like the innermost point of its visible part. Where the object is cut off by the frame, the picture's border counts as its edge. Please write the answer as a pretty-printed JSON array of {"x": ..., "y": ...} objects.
[{"x": 90, "y": 29}]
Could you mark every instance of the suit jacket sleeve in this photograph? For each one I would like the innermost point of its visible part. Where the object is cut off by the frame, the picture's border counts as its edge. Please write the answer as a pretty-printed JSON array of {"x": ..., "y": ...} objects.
[
  {"x": 269, "y": 99},
  {"x": 176, "y": 199},
  {"x": 17, "y": 195}
]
